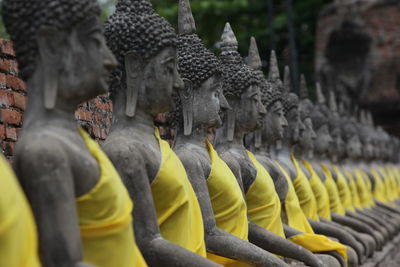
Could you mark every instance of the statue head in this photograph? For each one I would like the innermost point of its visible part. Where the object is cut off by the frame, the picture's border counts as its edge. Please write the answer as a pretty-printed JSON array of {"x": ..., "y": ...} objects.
[
  {"x": 145, "y": 46},
  {"x": 306, "y": 107},
  {"x": 241, "y": 88},
  {"x": 200, "y": 101},
  {"x": 60, "y": 46},
  {"x": 321, "y": 124},
  {"x": 291, "y": 109},
  {"x": 274, "y": 121},
  {"x": 351, "y": 138}
]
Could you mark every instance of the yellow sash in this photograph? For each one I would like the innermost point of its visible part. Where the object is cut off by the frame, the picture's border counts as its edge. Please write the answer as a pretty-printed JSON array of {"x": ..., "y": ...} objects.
[
  {"x": 334, "y": 198},
  {"x": 18, "y": 236},
  {"x": 263, "y": 204},
  {"x": 297, "y": 220},
  {"x": 379, "y": 189},
  {"x": 178, "y": 210},
  {"x": 105, "y": 217},
  {"x": 343, "y": 189},
  {"x": 353, "y": 188},
  {"x": 320, "y": 192},
  {"x": 227, "y": 201},
  {"x": 304, "y": 192},
  {"x": 362, "y": 189}
]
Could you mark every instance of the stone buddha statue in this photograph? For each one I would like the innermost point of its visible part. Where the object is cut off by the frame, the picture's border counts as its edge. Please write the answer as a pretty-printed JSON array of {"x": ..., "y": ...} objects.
[
  {"x": 300, "y": 139},
  {"x": 81, "y": 207},
  {"x": 168, "y": 226},
  {"x": 201, "y": 105},
  {"x": 264, "y": 208}
]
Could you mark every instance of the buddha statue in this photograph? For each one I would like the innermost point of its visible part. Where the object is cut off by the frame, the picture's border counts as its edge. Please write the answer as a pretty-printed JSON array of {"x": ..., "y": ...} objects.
[
  {"x": 263, "y": 203},
  {"x": 348, "y": 161},
  {"x": 169, "y": 227},
  {"x": 81, "y": 207},
  {"x": 200, "y": 106},
  {"x": 300, "y": 138}
]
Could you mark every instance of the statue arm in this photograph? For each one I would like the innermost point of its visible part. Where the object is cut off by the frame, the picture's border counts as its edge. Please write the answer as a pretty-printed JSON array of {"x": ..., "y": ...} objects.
[
  {"x": 156, "y": 250},
  {"x": 218, "y": 241},
  {"x": 280, "y": 246},
  {"x": 329, "y": 228},
  {"x": 48, "y": 182},
  {"x": 356, "y": 225}
]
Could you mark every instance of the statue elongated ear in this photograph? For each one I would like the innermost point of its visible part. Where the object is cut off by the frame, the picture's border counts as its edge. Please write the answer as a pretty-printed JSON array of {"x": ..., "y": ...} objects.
[
  {"x": 257, "y": 138},
  {"x": 134, "y": 74},
  {"x": 50, "y": 43},
  {"x": 231, "y": 120},
  {"x": 186, "y": 96}
]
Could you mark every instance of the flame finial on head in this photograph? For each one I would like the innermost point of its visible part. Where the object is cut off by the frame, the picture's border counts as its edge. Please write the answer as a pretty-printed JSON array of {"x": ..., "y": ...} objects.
[
  {"x": 254, "y": 60},
  {"x": 303, "y": 88},
  {"x": 228, "y": 39},
  {"x": 332, "y": 101},
  {"x": 186, "y": 24},
  {"x": 287, "y": 83},
  {"x": 320, "y": 95},
  {"x": 274, "y": 73}
]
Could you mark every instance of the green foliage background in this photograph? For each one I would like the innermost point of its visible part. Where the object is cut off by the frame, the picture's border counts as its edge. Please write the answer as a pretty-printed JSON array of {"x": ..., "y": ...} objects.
[{"x": 248, "y": 18}]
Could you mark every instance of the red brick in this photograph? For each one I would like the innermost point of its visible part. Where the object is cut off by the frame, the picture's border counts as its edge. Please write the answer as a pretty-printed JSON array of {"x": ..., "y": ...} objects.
[
  {"x": 11, "y": 116},
  {"x": 3, "y": 80},
  {"x": 15, "y": 83},
  {"x": 2, "y": 132},
  {"x": 84, "y": 115},
  {"x": 102, "y": 105},
  {"x": 6, "y": 47},
  {"x": 5, "y": 65},
  {"x": 11, "y": 133},
  {"x": 19, "y": 101},
  {"x": 6, "y": 98}
]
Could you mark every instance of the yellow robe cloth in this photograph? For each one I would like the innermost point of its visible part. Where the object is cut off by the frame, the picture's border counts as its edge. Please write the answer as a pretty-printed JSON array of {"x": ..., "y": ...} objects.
[
  {"x": 304, "y": 192},
  {"x": 379, "y": 188},
  {"x": 228, "y": 204},
  {"x": 334, "y": 198},
  {"x": 362, "y": 189},
  {"x": 263, "y": 204},
  {"x": 343, "y": 189},
  {"x": 18, "y": 236},
  {"x": 178, "y": 210},
  {"x": 320, "y": 192},
  {"x": 297, "y": 220},
  {"x": 105, "y": 218},
  {"x": 353, "y": 188}
]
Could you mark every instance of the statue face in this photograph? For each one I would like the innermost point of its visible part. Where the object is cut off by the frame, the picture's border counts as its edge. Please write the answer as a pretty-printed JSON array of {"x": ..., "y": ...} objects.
[
  {"x": 161, "y": 79},
  {"x": 86, "y": 63},
  {"x": 295, "y": 126},
  {"x": 208, "y": 103},
  {"x": 336, "y": 147},
  {"x": 274, "y": 123},
  {"x": 306, "y": 140},
  {"x": 323, "y": 140},
  {"x": 251, "y": 111},
  {"x": 353, "y": 147}
]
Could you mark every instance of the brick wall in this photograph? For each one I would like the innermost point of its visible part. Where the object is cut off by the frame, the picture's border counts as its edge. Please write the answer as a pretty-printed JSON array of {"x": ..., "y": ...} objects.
[
  {"x": 94, "y": 116},
  {"x": 379, "y": 21}
]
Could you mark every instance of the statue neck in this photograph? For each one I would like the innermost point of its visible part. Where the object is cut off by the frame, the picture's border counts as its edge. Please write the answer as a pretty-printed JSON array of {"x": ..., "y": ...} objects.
[
  {"x": 143, "y": 120},
  {"x": 62, "y": 115},
  {"x": 221, "y": 139},
  {"x": 197, "y": 137},
  {"x": 264, "y": 150}
]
